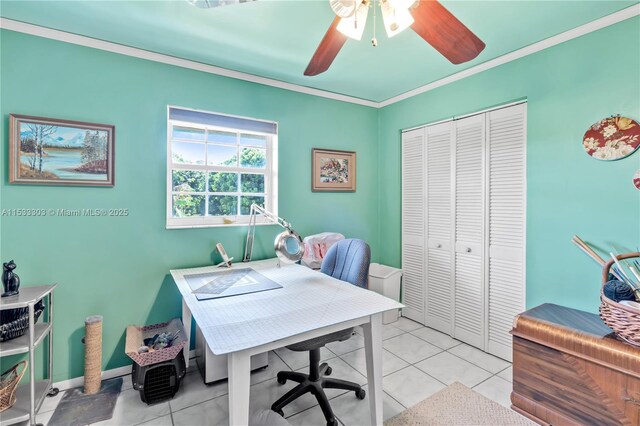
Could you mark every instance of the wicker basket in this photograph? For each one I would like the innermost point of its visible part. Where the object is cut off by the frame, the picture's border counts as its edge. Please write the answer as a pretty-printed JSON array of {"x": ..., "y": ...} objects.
[
  {"x": 9, "y": 383},
  {"x": 15, "y": 322},
  {"x": 623, "y": 320}
]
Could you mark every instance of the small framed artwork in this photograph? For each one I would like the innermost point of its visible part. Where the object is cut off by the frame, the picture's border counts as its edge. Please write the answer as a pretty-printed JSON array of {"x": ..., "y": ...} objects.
[
  {"x": 333, "y": 171},
  {"x": 45, "y": 151}
]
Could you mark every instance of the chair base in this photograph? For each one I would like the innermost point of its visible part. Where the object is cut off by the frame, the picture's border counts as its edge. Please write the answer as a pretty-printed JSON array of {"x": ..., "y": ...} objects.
[{"x": 314, "y": 383}]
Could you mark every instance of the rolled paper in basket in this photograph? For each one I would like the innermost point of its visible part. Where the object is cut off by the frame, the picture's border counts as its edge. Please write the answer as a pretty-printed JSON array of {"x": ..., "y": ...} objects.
[{"x": 92, "y": 354}]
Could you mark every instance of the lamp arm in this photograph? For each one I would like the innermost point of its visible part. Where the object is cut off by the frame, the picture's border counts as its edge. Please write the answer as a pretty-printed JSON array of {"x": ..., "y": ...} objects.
[
  {"x": 251, "y": 232},
  {"x": 272, "y": 217}
]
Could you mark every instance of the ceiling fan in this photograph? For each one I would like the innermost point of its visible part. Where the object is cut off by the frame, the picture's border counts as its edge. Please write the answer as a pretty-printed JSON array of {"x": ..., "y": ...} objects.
[{"x": 428, "y": 18}]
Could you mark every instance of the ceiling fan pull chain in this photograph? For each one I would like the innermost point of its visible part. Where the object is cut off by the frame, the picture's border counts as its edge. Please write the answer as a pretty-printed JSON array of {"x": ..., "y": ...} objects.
[{"x": 374, "y": 40}]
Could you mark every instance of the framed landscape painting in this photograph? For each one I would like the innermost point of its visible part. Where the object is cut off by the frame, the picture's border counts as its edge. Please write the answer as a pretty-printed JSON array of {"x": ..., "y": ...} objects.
[
  {"x": 45, "y": 151},
  {"x": 333, "y": 171}
]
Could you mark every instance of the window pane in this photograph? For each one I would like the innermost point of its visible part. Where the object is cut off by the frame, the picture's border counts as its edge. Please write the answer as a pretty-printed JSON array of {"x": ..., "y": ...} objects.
[
  {"x": 223, "y": 205},
  {"x": 245, "y": 203},
  {"x": 222, "y": 137},
  {"x": 223, "y": 182},
  {"x": 188, "y": 133},
  {"x": 252, "y": 182},
  {"x": 187, "y": 153},
  {"x": 223, "y": 155},
  {"x": 253, "y": 140},
  {"x": 185, "y": 205},
  {"x": 253, "y": 157},
  {"x": 188, "y": 181}
]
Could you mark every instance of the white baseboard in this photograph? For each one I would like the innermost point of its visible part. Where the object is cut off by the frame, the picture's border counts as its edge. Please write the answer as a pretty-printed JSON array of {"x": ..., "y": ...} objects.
[{"x": 106, "y": 374}]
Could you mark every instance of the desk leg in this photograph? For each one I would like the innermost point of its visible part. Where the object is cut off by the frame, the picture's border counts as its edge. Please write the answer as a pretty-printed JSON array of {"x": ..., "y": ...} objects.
[
  {"x": 373, "y": 353},
  {"x": 239, "y": 369},
  {"x": 186, "y": 323}
]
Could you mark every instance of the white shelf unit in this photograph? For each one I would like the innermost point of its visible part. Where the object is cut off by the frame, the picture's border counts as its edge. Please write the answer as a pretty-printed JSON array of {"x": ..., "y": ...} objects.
[{"x": 29, "y": 396}]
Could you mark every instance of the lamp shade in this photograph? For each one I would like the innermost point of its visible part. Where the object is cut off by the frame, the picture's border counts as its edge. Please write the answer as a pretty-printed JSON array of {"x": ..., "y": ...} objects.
[
  {"x": 289, "y": 246},
  {"x": 344, "y": 8},
  {"x": 353, "y": 26},
  {"x": 395, "y": 19}
]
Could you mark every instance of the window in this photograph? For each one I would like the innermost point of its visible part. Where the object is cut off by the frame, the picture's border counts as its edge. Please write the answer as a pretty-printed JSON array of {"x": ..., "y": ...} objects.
[{"x": 217, "y": 166}]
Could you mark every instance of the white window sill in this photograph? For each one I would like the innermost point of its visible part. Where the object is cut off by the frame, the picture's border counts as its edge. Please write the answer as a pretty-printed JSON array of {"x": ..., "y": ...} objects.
[{"x": 215, "y": 225}]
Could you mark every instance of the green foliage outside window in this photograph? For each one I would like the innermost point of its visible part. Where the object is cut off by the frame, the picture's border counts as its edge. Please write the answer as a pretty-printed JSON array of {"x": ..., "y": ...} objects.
[{"x": 220, "y": 205}]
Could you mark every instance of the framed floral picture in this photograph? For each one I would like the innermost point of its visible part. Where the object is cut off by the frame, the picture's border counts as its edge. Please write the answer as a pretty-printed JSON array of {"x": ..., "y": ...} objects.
[
  {"x": 333, "y": 171},
  {"x": 46, "y": 151},
  {"x": 612, "y": 138}
]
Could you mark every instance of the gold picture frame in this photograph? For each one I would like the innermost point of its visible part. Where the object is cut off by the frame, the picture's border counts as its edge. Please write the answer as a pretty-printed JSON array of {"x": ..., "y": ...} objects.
[
  {"x": 333, "y": 170},
  {"x": 47, "y": 151}
]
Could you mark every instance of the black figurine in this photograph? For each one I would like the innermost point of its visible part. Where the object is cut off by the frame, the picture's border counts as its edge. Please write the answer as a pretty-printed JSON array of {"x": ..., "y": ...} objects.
[{"x": 10, "y": 280}]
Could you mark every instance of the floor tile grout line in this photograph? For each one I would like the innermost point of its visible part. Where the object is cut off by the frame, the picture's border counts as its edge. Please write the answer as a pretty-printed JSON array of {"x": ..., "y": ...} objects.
[
  {"x": 458, "y": 342},
  {"x": 500, "y": 359},
  {"x": 391, "y": 396},
  {"x": 473, "y": 363},
  {"x": 420, "y": 360},
  {"x": 488, "y": 378}
]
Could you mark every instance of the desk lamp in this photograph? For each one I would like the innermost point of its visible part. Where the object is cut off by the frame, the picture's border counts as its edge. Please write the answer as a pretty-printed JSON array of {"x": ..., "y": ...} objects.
[{"x": 288, "y": 244}]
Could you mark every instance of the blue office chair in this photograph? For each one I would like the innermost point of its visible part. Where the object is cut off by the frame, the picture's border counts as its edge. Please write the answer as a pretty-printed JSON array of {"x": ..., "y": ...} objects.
[{"x": 347, "y": 260}]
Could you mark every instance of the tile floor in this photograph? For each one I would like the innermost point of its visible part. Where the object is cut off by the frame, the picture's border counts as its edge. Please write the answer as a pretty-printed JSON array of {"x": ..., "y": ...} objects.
[{"x": 418, "y": 361}]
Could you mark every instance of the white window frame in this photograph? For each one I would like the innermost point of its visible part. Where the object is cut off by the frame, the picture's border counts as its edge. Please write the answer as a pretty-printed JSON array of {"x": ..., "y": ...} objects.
[{"x": 270, "y": 174}]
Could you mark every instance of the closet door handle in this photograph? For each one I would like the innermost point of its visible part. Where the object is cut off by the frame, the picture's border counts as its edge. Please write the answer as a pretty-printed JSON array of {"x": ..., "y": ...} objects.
[
  {"x": 468, "y": 249},
  {"x": 439, "y": 246}
]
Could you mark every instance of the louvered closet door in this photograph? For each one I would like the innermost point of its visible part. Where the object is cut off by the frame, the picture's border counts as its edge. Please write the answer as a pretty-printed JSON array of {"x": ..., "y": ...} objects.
[
  {"x": 439, "y": 303},
  {"x": 469, "y": 317},
  {"x": 413, "y": 224},
  {"x": 507, "y": 194}
]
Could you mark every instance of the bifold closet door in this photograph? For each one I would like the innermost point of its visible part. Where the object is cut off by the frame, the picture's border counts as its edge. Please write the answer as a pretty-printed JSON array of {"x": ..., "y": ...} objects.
[
  {"x": 469, "y": 295},
  {"x": 413, "y": 224},
  {"x": 439, "y": 285},
  {"x": 506, "y": 188}
]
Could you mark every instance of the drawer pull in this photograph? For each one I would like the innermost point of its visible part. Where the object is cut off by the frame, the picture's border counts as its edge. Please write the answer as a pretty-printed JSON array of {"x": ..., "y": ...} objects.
[{"x": 632, "y": 400}]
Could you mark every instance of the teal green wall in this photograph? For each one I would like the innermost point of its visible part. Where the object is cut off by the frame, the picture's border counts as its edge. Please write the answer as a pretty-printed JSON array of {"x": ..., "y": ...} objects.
[
  {"x": 117, "y": 267},
  {"x": 568, "y": 88}
]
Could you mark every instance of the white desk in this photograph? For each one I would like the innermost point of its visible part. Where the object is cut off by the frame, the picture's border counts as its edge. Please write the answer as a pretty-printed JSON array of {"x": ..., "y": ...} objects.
[{"x": 309, "y": 304}]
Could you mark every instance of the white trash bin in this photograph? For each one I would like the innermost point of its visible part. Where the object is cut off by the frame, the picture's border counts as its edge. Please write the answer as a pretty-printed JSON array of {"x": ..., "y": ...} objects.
[{"x": 385, "y": 280}]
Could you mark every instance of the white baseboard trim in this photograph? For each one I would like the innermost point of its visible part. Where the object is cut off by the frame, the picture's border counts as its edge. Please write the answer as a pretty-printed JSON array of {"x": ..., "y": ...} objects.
[{"x": 106, "y": 374}]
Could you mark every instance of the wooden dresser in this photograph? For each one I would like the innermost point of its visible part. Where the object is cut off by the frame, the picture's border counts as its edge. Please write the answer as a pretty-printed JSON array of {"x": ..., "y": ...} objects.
[{"x": 568, "y": 369}]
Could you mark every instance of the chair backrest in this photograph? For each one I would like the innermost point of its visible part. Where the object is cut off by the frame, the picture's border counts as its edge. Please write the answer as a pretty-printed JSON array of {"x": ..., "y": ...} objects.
[{"x": 348, "y": 260}]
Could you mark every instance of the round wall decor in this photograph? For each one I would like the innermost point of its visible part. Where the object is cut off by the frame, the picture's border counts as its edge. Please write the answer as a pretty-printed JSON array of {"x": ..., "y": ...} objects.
[
  {"x": 636, "y": 179},
  {"x": 612, "y": 138}
]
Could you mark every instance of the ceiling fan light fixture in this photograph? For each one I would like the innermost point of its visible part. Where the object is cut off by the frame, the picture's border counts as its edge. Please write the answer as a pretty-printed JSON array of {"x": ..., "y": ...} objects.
[
  {"x": 206, "y": 4},
  {"x": 402, "y": 4},
  {"x": 353, "y": 26},
  {"x": 395, "y": 19},
  {"x": 344, "y": 8}
]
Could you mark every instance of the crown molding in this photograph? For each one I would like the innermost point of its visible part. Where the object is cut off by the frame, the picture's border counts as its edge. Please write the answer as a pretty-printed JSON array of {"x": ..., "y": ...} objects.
[
  {"x": 576, "y": 32},
  {"x": 108, "y": 46},
  {"x": 37, "y": 30}
]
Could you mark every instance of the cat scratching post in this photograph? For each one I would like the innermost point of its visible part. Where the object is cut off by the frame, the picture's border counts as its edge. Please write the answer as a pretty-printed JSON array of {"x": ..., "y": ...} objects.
[{"x": 92, "y": 354}]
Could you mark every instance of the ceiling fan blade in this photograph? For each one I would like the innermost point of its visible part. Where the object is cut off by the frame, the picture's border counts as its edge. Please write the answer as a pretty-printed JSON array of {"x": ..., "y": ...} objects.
[
  {"x": 327, "y": 51},
  {"x": 438, "y": 27}
]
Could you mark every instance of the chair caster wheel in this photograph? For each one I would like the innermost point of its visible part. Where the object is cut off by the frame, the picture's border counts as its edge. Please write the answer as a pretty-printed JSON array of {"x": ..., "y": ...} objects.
[
  {"x": 328, "y": 371},
  {"x": 332, "y": 422},
  {"x": 53, "y": 392},
  {"x": 282, "y": 380},
  {"x": 360, "y": 393},
  {"x": 280, "y": 412}
]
